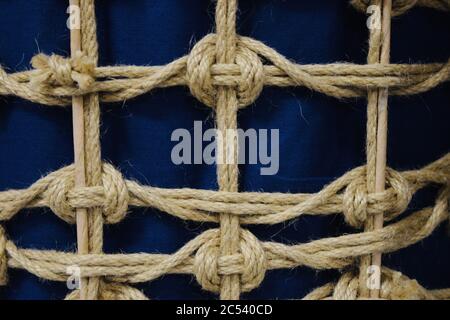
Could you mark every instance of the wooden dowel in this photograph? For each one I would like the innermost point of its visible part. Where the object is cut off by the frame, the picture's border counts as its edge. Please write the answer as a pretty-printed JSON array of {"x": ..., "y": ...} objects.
[
  {"x": 380, "y": 170},
  {"x": 78, "y": 145}
]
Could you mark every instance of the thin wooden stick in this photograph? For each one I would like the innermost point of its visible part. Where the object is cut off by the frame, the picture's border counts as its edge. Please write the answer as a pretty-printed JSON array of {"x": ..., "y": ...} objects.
[
  {"x": 380, "y": 170},
  {"x": 78, "y": 144}
]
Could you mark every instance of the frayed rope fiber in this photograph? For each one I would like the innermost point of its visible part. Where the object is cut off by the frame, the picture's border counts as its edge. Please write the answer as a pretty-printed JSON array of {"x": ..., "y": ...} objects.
[{"x": 227, "y": 72}]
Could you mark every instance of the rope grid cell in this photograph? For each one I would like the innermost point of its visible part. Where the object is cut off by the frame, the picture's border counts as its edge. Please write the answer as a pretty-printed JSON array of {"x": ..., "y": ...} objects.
[{"x": 226, "y": 72}]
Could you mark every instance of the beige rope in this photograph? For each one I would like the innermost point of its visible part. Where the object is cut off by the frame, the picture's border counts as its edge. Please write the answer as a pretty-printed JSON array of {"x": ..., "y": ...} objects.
[
  {"x": 373, "y": 123},
  {"x": 93, "y": 165},
  {"x": 347, "y": 194},
  {"x": 56, "y": 79},
  {"x": 199, "y": 256},
  {"x": 395, "y": 286},
  {"x": 226, "y": 119},
  {"x": 226, "y": 72}
]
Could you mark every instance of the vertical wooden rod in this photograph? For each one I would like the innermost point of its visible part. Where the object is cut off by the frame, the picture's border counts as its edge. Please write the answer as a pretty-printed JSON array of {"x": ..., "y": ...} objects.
[
  {"x": 380, "y": 171},
  {"x": 78, "y": 144}
]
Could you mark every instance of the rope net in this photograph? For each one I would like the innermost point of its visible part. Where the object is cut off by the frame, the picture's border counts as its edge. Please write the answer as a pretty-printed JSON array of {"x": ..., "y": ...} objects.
[{"x": 227, "y": 72}]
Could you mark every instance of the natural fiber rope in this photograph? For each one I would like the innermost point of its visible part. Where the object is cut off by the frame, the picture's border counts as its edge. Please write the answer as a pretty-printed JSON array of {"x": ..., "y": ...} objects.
[
  {"x": 395, "y": 286},
  {"x": 347, "y": 194},
  {"x": 56, "y": 79},
  {"x": 92, "y": 139},
  {"x": 226, "y": 72},
  {"x": 227, "y": 174},
  {"x": 200, "y": 255},
  {"x": 373, "y": 57}
]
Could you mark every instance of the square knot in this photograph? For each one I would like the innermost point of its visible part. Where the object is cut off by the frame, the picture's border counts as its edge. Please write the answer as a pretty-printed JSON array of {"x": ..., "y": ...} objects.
[
  {"x": 249, "y": 263},
  {"x": 203, "y": 74},
  {"x": 64, "y": 198},
  {"x": 358, "y": 203},
  {"x": 57, "y": 70},
  {"x": 3, "y": 258}
]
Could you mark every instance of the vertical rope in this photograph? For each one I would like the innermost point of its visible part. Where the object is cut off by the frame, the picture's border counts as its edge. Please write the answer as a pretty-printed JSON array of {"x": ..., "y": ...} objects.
[
  {"x": 92, "y": 139},
  {"x": 373, "y": 56},
  {"x": 79, "y": 158},
  {"x": 379, "y": 46},
  {"x": 226, "y": 119}
]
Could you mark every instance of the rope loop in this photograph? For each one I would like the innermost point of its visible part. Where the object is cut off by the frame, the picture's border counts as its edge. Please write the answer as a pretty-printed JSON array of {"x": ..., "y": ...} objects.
[
  {"x": 203, "y": 74},
  {"x": 249, "y": 263},
  {"x": 401, "y": 194},
  {"x": 116, "y": 195},
  {"x": 357, "y": 203},
  {"x": 354, "y": 202}
]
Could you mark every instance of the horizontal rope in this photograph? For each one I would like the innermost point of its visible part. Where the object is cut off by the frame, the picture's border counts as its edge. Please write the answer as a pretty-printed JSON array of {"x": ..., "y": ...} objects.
[
  {"x": 55, "y": 79},
  {"x": 347, "y": 194},
  {"x": 200, "y": 255}
]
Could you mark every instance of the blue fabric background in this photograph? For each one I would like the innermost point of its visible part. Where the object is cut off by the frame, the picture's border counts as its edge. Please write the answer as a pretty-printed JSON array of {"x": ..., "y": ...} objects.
[{"x": 320, "y": 137}]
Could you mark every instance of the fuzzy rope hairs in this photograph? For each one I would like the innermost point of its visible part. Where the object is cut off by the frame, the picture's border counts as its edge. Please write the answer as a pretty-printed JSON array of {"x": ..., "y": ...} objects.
[
  {"x": 347, "y": 194},
  {"x": 56, "y": 78},
  {"x": 200, "y": 255},
  {"x": 225, "y": 72},
  {"x": 55, "y": 70}
]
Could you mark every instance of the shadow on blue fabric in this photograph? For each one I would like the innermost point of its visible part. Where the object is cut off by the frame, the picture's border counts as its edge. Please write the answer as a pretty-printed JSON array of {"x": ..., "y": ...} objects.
[{"x": 320, "y": 137}]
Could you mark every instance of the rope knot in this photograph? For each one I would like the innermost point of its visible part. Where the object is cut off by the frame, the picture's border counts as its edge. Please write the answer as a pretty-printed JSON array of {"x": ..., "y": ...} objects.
[
  {"x": 355, "y": 201},
  {"x": 396, "y": 198},
  {"x": 57, "y": 70},
  {"x": 358, "y": 203},
  {"x": 3, "y": 258},
  {"x": 115, "y": 195},
  {"x": 249, "y": 263},
  {"x": 203, "y": 74}
]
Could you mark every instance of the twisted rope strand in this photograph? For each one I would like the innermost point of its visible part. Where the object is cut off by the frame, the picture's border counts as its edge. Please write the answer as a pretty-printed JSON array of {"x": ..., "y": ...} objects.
[
  {"x": 344, "y": 194},
  {"x": 328, "y": 253},
  {"x": 226, "y": 72},
  {"x": 54, "y": 86}
]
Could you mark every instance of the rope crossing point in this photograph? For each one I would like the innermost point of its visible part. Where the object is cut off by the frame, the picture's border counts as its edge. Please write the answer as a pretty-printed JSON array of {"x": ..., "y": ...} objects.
[
  {"x": 226, "y": 72},
  {"x": 55, "y": 79}
]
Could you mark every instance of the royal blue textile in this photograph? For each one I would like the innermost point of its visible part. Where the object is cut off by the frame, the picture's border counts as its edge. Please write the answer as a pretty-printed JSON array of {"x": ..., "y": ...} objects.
[{"x": 320, "y": 137}]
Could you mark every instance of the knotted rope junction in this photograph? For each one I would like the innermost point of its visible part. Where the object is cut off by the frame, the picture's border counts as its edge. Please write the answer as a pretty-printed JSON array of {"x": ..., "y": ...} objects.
[
  {"x": 55, "y": 79},
  {"x": 225, "y": 72}
]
